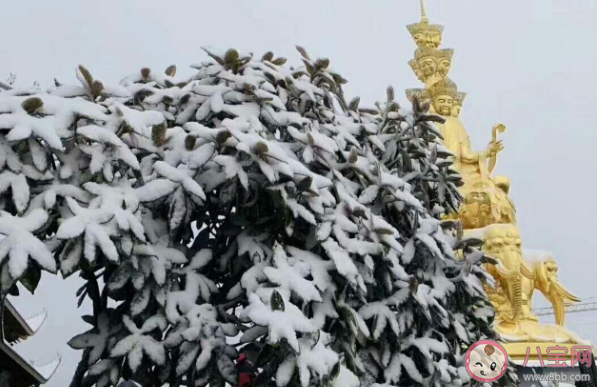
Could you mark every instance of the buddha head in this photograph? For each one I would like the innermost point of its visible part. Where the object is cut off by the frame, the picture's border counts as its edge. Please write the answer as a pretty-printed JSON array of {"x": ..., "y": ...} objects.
[
  {"x": 421, "y": 94},
  {"x": 444, "y": 61},
  {"x": 418, "y": 73},
  {"x": 443, "y": 93},
  {"x": 419, "y": 37},
  {"x": 476, "y": 210},
  {"x": 425, "y": 34},
  {"x": 457, "y": 104},
  {"x": 443, "y": 104},
  {"x": 426, "y": 61},
  {"x": 436, "y": 38}
]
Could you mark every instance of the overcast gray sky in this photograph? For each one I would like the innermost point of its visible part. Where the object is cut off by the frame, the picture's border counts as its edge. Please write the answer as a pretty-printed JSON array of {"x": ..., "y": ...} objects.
[{"x": 530, "y": 64}]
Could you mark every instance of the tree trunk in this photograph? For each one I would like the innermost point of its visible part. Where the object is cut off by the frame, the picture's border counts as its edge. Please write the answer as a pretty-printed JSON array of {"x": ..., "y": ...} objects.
[{"x": 81, "y": 369}]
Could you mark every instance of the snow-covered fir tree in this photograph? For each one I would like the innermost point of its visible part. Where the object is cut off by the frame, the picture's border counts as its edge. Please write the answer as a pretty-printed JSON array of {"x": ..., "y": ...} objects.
[{"x": 249, "y": 208}]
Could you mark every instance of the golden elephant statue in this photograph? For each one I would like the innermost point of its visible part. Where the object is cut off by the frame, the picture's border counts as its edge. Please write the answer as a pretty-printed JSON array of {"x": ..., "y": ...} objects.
[{"x": 515, "y": 281}]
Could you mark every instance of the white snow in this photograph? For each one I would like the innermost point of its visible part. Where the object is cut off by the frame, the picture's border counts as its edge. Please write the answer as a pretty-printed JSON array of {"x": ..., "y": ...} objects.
[
  {"x": 281, "y": 324},
  {"x": 290, "y": 278},
  {"x": 47, "y": 370},
  {"x": 137, "y": 344},
  {"x": 35, "y": 322},
  {"x": 19, "y": 243}
]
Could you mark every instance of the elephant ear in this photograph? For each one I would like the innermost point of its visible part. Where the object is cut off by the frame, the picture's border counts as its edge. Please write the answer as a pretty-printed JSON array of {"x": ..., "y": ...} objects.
[
  {"x": 541, "y": 275},
  {"x": 526, "y": 270}
]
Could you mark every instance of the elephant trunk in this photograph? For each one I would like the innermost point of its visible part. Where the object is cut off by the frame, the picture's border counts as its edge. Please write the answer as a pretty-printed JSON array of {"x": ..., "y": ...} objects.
[
  {"x": 517, "y": 302},
  {"x": 511, "y": 279}
]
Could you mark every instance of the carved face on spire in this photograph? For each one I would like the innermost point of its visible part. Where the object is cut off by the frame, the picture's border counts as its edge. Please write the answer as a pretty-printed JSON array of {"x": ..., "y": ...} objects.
[
  {"x": 428, "y": 39},
  {"x": 427, "y": 66},
  {"x": 425, "y": 34},
  {"x": 444, "y": 67},
  {"x": 444, "y": 58},
  {"x": 436, "y": 38},
  {"x": 426, "y": 61},
  {"x": 418, "y": 73},
  {"x": 418, "y": 38},
  {"x": 432, "y": 39}
]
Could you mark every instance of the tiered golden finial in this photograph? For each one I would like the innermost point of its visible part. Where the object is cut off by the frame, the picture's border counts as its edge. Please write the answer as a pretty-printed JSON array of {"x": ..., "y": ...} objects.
[
  {"x": 422, "y": 7},
  {"x": 425, "y": 34},
  {"x": 487, "y": 211}
]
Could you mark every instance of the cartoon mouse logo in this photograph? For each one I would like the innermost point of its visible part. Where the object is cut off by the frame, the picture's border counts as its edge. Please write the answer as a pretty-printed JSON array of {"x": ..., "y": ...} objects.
[{"x": 486, "y": 361}]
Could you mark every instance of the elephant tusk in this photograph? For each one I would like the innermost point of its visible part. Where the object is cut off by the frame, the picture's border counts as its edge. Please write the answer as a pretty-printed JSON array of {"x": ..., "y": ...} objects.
[{"x": 504, "y": 272}]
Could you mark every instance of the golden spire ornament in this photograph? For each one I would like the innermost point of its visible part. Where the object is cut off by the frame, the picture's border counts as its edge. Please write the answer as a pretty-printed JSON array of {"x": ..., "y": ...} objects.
[
  {"x": 487, "y": 211},
  {"x": 425, "y": 34},
  {"x": 423, "y": 10}
]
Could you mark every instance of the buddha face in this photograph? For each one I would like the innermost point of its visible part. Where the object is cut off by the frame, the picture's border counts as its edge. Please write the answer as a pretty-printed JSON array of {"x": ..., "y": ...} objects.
[
  {"x": 430, "y": 39},
  {"x": 425, "y": 40},
  {"x": 419, "y": 39},
  {"x": 443, "y": 104},
  {"x": 428, "y": 66},
  {"x": 444, "y": 67},
  {"x": 416, "y": 70}
]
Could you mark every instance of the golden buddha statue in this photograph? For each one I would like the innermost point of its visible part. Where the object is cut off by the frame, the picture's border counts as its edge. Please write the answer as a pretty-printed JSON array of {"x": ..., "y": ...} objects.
[
  {"x": 471, "y": 164},
  {"x": 487, "y": 211}
]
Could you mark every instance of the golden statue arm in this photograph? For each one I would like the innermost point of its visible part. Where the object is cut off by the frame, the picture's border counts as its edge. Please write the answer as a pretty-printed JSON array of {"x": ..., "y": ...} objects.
[{"x": 468, "y": 155}]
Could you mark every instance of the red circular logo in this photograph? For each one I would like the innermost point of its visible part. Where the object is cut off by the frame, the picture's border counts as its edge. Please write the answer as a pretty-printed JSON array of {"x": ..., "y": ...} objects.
[{"x": 486, "y": 361}]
